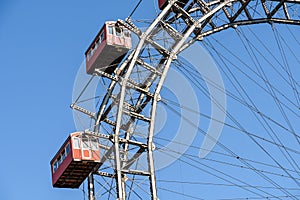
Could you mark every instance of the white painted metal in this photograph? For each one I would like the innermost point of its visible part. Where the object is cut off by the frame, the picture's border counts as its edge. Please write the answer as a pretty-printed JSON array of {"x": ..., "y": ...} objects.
[{"x": 194, "y": 28}]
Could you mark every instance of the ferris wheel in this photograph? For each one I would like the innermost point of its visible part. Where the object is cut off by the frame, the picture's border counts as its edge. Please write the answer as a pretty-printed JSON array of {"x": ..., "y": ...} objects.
[{"x": 242, "y": 145}]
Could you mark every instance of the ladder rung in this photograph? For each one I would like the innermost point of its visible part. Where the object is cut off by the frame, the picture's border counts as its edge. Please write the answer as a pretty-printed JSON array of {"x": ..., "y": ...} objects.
[
  {"x": 184, "y": 13},
  {"x": 130, "y": 26},
  {"x": 108, "y": 121},
  {"x": 158, "y": 47},
  {"x": 85, "y": 111},
  {"x": 147, "y": 66},
  {"x": 137, "y": 115},
  {"x": 99, "y": 72},
  {"x": 136, "y": 172},
  {"x": 105, "y": 174},
  {"x": 172, "y": 31},
  {"x": 134, "y": 86}
]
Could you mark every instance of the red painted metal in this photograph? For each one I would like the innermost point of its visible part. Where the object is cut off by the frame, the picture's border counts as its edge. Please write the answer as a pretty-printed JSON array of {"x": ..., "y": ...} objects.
[
  {"x": 162, "y": 3},
  {"x": 66, "y": 162}
]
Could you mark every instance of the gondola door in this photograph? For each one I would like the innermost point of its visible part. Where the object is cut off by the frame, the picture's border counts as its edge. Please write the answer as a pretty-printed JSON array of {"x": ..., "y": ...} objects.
[
  {"x": 119, "y": 38},
  {"x": 86, "y": 152}
]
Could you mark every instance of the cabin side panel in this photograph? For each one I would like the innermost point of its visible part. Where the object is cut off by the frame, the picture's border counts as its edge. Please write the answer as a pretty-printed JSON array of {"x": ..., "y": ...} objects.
[
  {"x": 61, "y": 162},
  {"x": 90, "y": 62}
]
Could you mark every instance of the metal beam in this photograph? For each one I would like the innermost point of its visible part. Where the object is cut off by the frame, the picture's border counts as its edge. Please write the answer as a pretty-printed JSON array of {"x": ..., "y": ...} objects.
[{"x": 197, "y": 26}]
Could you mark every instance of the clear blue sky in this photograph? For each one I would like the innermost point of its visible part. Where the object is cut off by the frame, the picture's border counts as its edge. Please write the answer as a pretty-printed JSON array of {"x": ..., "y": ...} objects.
[{"x": 42, "y": 45}]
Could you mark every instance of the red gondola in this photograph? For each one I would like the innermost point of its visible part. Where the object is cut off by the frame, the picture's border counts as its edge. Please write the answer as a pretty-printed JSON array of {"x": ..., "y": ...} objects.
[
  {"x": 163, "y": 3},
  {"x": 75, "y": 160},
  {"x": 108, "y": 48}
]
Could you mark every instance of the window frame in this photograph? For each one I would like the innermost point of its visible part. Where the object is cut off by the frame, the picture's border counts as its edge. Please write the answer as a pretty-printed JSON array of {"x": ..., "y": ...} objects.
[
  {"x": 55, "y": 166},
  {"x": 68, "y": 149},
  {"x": 94, "y": 143},
  {"x": 102, "y": 36},
  {"x": 75, "y": 144},
  {"x": 110, "y": 29},
  {"x": 85, "y": 143}
]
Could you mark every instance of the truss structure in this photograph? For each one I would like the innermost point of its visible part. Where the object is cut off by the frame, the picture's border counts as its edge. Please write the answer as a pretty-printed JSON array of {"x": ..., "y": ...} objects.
[{"x": 125, "y": 119}]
